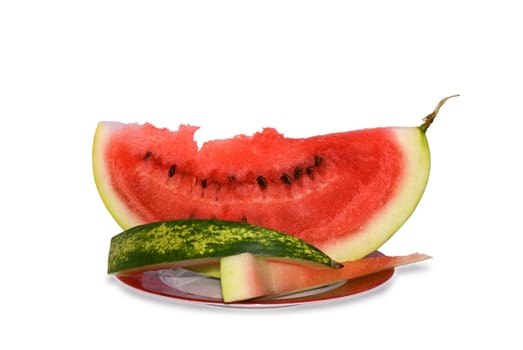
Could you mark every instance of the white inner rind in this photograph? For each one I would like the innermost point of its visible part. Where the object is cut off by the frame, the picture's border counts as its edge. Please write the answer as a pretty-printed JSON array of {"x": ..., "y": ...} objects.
[
  {"x": 114, "y": 204},
  {"x": 403, "y": 202}
]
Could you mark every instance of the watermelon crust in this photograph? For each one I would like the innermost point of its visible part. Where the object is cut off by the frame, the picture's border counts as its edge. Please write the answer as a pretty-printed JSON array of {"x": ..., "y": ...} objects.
[
  {"x": 346, "y": 193},
  {"x": 201, "y": 243}
]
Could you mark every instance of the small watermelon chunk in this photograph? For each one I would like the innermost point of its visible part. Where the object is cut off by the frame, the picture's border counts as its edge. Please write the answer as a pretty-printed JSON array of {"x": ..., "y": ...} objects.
[
  {"x": 345, "y": 193},
  {"x": 245, "y": 276}
]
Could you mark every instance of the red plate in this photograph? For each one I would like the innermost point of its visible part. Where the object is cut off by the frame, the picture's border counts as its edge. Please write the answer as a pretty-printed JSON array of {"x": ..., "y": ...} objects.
[{"x": 188, "y": 286}]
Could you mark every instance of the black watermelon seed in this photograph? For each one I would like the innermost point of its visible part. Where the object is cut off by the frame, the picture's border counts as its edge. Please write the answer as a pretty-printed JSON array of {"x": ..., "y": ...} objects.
[
  {"x": 262, "y": 182},
  {"x": 172, "y": 170},
  {"x": 204, "y": 183},
  {"x": 309, "y": 170},
  {"x": 318, "y": 160},
  {"x": 297, "y": 172},
  {"x": 232, "y": 178},
  {"x": 286, "y": 179},
  {"x": 147, "y": 155}
]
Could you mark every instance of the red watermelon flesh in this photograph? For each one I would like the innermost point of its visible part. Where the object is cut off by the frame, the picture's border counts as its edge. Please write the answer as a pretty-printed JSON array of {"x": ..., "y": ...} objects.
[{"x": 346, "y": 193}]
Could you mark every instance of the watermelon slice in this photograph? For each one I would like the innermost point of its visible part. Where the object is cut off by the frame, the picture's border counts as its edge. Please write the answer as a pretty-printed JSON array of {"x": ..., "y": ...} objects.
[
  {"x": 246, "y": 276},
  {"x": 345, "y": 193}
]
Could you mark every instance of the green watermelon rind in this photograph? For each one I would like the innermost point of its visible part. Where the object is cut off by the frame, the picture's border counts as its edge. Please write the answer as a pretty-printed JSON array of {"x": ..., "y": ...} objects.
[{"x": 192, "y": 242}]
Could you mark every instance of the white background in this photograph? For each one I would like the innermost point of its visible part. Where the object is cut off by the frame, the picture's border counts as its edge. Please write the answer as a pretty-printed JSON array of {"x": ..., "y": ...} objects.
[{"x": 304, "y": 67}]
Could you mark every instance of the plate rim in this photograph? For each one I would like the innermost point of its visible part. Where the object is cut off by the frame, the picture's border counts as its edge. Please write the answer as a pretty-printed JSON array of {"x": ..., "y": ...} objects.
[{"x": 346, "y": 289}]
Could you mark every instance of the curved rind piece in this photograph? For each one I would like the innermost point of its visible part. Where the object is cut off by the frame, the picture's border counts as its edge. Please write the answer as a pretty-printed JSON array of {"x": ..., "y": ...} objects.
[{"x": 163, "y": 243}]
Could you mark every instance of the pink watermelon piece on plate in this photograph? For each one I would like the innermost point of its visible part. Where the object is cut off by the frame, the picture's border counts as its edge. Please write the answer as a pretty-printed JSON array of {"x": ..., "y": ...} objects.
[{"x": 245, "y": 276}]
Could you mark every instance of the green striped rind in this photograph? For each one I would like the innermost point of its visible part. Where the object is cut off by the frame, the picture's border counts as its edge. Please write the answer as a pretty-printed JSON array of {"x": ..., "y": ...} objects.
[{"x": 182, "y": 240}]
